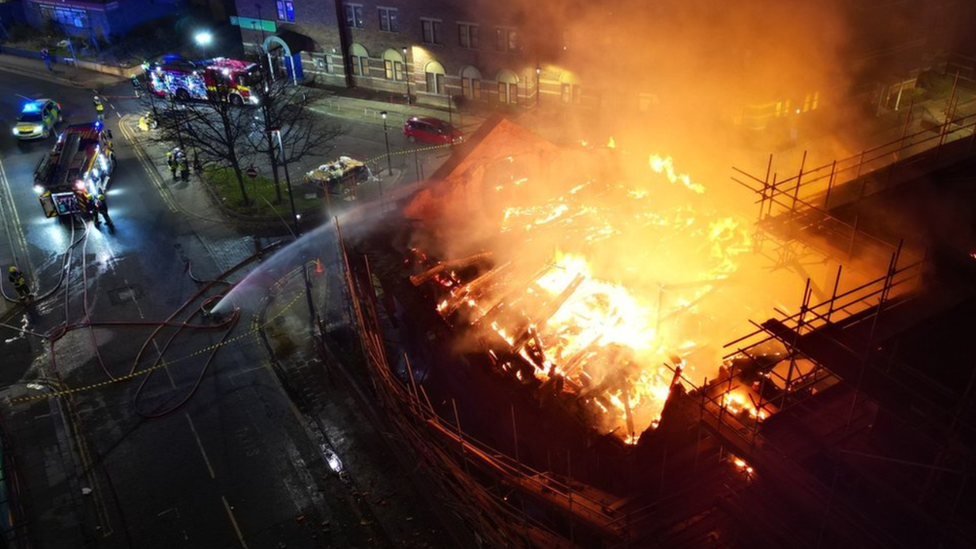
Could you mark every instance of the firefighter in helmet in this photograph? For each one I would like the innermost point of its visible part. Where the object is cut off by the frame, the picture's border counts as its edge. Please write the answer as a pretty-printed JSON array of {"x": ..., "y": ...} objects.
[
  {"x": 20, "y": 283},
  {"x": 100, "y": 207},
  {"x": 99, "y": 107},
  {"x": 172, "y": 160},
  {"x": 184, "y": 167},
  {"x": 85, "y": 207}
]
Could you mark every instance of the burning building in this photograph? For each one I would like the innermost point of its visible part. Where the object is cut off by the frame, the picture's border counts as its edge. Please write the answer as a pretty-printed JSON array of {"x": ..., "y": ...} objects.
[
  {"x": 593, "y": 272},
  {"x": 602, "y": 290}
]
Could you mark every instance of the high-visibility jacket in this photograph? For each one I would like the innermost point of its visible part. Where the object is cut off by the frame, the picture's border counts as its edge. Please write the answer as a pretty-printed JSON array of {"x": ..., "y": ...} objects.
[
  {"x": 17, "y": 279},
  {"x": 84, "y": 202}
]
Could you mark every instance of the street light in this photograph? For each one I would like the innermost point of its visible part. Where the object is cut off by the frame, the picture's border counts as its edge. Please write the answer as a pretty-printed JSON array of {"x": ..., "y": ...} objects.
[
  {"x": 203, "y": 39},
  {"x": 406, "y": 70},
  {"x": 386, "y": 136},
  {"x": 538, "y": 90}
]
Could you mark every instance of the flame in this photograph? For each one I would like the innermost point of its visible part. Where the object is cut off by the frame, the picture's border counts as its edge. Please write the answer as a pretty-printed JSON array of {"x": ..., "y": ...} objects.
[
  {"x": 611, "y": 144},
  {"x": 666, "y": 166},
  {"x": 605, "y": 331}
]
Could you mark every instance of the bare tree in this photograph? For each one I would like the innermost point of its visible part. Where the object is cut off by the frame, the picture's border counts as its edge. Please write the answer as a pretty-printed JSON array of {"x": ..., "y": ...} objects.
[
  {"x": 215, "y": 130},
  {"x": 291, "y": 131}
]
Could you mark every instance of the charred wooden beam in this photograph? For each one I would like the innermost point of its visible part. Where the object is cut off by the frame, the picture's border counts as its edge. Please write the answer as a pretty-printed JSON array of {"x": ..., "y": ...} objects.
[
  {"x": 420, "y": 278},
  {"x": 550, "y": 309}
]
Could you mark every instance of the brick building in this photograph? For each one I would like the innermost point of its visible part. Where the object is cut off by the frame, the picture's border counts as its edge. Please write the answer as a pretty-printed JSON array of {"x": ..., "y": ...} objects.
[
  {"x": 433, "y": 50},
  {"x": 628, "y": 56},
  {"x": 97, "y": 19}
]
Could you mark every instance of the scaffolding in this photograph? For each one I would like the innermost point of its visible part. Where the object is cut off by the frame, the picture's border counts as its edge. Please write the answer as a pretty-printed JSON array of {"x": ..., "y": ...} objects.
[{"x": 493, "y": 492}]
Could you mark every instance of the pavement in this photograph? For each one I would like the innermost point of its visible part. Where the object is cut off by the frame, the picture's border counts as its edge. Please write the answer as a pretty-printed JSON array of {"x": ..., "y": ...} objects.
[{"x": 390, "y": 512}]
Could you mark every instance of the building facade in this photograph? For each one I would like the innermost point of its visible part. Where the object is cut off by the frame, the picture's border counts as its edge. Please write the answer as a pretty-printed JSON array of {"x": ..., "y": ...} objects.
[
  {"x": 573, "y": 53},
  {"x": 95, "y": 19},
  {"x": 430, "y": 51}
]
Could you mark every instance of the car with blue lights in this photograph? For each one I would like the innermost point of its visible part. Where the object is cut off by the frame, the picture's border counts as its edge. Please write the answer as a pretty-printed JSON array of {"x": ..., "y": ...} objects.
[{"x": 37, "y": 119}]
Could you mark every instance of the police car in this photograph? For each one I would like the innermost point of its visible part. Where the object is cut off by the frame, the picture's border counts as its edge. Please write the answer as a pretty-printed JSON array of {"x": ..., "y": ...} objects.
[{"x": 37, "y": 119}]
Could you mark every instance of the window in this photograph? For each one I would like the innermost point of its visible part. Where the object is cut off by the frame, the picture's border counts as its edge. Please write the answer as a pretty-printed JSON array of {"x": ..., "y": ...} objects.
[
  {"x": 394, "y": 70},
  {"x": 471, "y": 88},
  {"x": 434, "y": 73},
  {"x": 506, "y": 40},
  {"x": 468, "y": 35},
  {"x": 355, "y": 18},
  {"x": 432, "y": 31},
  {"x": 435, "y": 83},
  {"x": 286, "y": 11},
  {"x": 360, "y": 66},
  {"x": 388, "y": 20},
  {"x": 508, "y": 93},
  {"x": 471, "y": 82},
  {"x": 66, "y": 16},
  {"x": 570, "y": 93}
]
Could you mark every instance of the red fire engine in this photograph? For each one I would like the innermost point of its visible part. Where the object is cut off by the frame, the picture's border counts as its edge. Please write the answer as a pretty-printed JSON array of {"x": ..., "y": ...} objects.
[
  {"x": 184, "y": 79},
  {"x": 81, "y": 161}
]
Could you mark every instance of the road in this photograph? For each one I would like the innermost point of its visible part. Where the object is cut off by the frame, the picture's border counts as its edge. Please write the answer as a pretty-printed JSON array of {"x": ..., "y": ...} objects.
[{"x": 115, "y": 461}]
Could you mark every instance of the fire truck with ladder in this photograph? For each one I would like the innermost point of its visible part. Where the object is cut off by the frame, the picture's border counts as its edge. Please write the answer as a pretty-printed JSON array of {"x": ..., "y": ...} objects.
[
  {"x": 183, "y": 79},
  {"x": 81, "y": 161}
]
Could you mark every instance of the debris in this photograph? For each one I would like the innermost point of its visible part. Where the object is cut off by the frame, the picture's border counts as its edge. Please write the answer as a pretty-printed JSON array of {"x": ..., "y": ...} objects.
[{"x": 86, "y": 491}]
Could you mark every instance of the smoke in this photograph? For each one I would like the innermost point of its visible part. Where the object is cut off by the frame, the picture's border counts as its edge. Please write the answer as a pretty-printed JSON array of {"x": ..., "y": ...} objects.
[{"x": 624, "y": 258}]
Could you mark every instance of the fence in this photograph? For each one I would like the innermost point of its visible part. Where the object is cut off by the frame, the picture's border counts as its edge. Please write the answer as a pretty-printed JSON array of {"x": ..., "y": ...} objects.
[{"x": 471, "y": 475}]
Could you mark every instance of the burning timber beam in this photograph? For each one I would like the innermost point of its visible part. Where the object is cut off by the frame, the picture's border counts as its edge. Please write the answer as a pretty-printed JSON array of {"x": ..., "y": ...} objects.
[
  {"x": 547, "y": 313},
  {"x": 420, "y": 278},
  {"x": 472, "y": 288},
  {"x": 516, "y": 290}
]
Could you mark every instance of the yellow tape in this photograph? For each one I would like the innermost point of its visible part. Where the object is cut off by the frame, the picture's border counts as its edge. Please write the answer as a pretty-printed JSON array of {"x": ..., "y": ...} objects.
[{"x": 255, "y": 328}]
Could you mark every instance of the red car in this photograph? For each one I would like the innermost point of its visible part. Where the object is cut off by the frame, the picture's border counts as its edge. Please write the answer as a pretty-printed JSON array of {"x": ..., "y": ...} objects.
[{"x": 430, "y": 130}]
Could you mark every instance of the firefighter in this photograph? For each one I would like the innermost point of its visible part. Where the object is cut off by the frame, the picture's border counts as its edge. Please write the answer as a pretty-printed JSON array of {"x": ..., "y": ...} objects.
[
  {"x": 20, "y": 283},
  {"x": 172, "y": 162},
  {"x": 99, "y": 107},
  {"x": 84, "y": 204},
  {"x": 147, "y": 122},
  {"x": 184, "y": 168},
  {"x": 100, "y": 207}
]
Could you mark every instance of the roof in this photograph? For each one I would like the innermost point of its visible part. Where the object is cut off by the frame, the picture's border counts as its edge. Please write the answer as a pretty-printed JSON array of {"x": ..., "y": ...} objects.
[{"x": 497, "y": 138}]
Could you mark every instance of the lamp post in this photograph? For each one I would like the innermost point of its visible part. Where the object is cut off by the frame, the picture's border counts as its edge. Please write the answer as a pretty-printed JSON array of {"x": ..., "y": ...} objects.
[
  {"x": 386, "y": 137},
  {"x": 203, "y": 39},
  {"x": 406, "y": 70},
  {"x": 538, "y": 90},
  {"x": 276, "y": 132}
]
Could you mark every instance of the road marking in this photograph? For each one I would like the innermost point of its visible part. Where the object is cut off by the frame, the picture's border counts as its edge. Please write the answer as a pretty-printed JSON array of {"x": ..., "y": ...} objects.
[
  {"x": 147, "y": 165},
  {"x": 200, "y": 445},
  {"x": 233, "y": 521},
  {"x": 18, "y": 229}
]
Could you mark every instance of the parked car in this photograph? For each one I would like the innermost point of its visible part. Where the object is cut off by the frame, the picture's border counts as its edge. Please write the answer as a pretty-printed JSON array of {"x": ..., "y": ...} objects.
[
  {"x": 339, "y": 177},
  {"x": 427, "y": 129},
  {"x": 37, "y": 119}
]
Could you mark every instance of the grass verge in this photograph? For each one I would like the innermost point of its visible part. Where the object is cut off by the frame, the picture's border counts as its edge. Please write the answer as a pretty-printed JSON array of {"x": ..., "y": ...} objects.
[{"x": 260, "y": 192}]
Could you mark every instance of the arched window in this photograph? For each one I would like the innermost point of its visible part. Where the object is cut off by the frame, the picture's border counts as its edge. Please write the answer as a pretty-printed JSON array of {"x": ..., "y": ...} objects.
[
  {"x": 569, "y": 88},
  {"x": 393, "y": 65},
  {"x": 471, "y": 83},
  {"x": 359, "y": 60},
  {"x": 434, "y": 72},
  {"x": 507, "y": 87}
]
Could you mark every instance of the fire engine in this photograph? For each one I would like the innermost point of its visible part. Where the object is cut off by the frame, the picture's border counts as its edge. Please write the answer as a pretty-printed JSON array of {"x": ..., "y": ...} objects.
[
  {"x": 184, "y": 79},
  {"x": 81, "y": 161}
]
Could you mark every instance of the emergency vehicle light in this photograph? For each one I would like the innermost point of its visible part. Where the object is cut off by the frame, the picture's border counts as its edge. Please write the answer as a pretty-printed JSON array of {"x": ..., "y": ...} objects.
[
  {"x": 30, "y": 108},
  {"x": 38, "y": 189},
  {"x": 80, "y": 185},
  {"x": 98, "y": 124}
]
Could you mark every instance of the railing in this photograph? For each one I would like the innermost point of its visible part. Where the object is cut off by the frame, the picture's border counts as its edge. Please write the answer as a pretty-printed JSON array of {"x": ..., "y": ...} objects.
[{"x": 812, "y": 188}]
